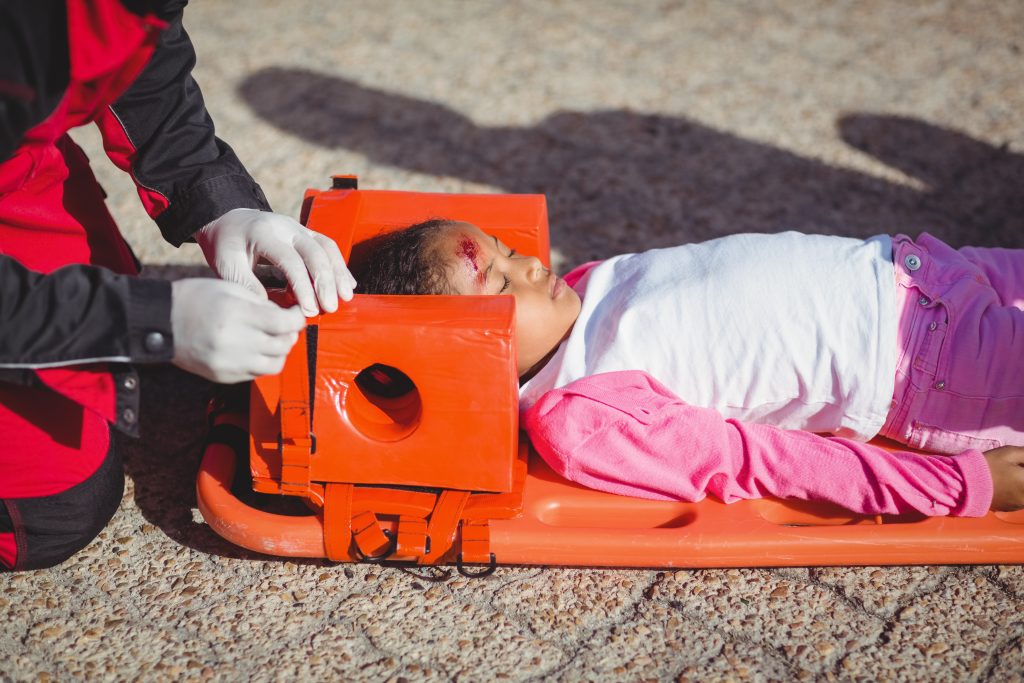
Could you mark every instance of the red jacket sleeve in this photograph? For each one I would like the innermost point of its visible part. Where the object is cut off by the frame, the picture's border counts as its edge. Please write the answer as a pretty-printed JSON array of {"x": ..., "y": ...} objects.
[{"x": 625, "y": 433}]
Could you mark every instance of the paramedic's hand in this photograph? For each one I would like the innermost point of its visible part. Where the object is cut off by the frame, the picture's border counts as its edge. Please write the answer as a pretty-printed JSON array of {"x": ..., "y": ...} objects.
[
  {"x": 226, "y": 333},
  {"x": 311, "y": 262},
  {"x": 1007, "y": 467}
]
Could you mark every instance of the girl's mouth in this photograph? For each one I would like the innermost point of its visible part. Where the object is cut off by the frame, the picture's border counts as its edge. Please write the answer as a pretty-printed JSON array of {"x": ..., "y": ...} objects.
[{"x": 557, "y": 287}]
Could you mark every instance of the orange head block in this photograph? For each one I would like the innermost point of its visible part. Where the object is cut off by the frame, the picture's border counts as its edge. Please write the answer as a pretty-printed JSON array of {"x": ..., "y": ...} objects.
[
  {"x": 351, "y": 216},
  {"x": 405, "y": 391}
]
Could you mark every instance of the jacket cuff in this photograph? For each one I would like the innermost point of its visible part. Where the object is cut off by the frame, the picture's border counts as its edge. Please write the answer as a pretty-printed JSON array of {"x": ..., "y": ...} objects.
[
  {"x": 206, "y": 202},
  {"x": 150, "y": 337},
  {"x": 977, "y": 495}
]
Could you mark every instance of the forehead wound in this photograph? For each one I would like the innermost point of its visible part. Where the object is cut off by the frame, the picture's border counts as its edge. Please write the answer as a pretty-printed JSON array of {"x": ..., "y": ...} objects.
[{"x": 468, "y": 253}]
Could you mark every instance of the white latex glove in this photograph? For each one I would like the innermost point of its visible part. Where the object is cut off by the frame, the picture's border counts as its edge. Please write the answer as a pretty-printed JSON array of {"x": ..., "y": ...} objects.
[
  {"x": 311, "y": 262},
  {"x": 226, "y": 333}
]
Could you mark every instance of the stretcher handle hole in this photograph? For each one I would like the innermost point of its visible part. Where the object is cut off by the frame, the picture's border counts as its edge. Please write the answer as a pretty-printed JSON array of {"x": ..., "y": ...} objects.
[{"x": 386, "y": 405}]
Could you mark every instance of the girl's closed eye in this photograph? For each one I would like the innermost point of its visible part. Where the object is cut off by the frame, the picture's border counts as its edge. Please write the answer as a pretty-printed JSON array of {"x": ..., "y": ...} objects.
[{"x": 506, "y": 281}]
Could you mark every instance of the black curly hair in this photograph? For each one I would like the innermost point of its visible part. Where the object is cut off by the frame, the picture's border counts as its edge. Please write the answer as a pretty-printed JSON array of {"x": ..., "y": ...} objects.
[{"x": 402, "y": 262}]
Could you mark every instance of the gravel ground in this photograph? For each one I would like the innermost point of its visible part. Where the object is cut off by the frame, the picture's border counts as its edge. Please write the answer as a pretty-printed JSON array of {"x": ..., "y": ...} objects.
[{"x": 646, "y": 124}]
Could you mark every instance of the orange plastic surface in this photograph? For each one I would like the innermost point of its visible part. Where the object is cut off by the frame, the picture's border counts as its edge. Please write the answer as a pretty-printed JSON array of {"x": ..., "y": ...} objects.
[
  {"x": 351, "y": 216},
  {"x": 565, "y": 524},
  {"x": 460, "y": 354},
  {"x": 557, "y": 523}
]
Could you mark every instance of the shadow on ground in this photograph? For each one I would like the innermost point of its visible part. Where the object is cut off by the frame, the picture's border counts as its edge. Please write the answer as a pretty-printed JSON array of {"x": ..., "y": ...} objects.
[{"x": 622, "y": 180}]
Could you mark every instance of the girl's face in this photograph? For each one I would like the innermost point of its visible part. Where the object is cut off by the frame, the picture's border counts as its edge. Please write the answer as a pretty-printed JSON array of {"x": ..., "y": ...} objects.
[{"x": 546, "y": 307}]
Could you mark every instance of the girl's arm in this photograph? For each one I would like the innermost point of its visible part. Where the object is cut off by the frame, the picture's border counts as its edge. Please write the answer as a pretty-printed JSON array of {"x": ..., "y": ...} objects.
[{"x": 625, "y": 433}]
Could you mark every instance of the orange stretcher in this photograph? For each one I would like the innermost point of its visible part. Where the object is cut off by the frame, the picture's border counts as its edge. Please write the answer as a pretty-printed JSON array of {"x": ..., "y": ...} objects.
[{"x": 395, "y": 423}]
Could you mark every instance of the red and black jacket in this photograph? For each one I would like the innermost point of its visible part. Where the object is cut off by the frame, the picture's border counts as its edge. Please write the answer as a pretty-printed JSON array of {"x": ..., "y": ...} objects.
[{"x": 125, "y": 66}]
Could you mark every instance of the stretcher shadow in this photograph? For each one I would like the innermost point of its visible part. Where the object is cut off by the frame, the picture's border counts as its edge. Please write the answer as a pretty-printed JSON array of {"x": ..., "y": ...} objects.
[{"x": 622, "y": 180}]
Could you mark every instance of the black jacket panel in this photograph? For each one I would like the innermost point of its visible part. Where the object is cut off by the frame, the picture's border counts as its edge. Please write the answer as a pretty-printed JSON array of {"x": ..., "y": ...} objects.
[
  {"x": 81, "y": 314},
  {"x": 33, "y": 66},
  {"x": 177, "y": 153}
]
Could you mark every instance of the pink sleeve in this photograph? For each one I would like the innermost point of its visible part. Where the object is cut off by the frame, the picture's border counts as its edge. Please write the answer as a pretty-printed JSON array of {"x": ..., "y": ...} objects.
[
  {"x": 625, "y": 433},
  {"x": 574, "y": 275}
]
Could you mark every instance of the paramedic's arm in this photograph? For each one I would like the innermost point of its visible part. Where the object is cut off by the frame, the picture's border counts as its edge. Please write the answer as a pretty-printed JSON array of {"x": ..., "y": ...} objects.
[
  {"x": 195, "y": 187},
  {"x": 160, "y": 132},
  {"x": 625, "y": 433},
  {"x": 80, "y": 315}
]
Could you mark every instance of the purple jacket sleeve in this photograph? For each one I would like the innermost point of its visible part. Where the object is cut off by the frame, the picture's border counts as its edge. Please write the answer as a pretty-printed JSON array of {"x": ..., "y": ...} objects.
[{"x": 624, "y": 432}]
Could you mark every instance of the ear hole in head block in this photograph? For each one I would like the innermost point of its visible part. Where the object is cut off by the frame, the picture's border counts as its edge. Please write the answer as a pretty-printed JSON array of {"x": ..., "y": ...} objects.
[{"x": 384, "y": 403}]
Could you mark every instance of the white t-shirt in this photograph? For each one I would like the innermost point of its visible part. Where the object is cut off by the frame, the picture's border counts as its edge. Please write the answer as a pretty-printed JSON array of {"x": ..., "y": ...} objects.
[{"x": 793, "y": 330}]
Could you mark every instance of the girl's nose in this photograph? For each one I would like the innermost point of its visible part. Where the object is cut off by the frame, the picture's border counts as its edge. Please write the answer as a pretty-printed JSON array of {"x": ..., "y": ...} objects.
[{"x": 535, "y": 267}]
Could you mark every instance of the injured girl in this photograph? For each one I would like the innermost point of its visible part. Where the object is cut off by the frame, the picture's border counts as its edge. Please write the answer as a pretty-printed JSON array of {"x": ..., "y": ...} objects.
[{"x": 758, "y": 365}]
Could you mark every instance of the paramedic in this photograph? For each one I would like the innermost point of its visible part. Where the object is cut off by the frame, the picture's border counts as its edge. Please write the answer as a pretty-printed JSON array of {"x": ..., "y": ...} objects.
[{"x": 73, "y": 314}]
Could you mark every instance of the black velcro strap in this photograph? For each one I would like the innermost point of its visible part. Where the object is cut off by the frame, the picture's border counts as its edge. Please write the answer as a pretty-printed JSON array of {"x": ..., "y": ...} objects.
[{"x": 312, "y": 334}]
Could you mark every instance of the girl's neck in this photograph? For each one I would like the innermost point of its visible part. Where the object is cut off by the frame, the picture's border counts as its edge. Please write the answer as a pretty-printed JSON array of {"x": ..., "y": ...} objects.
[{"x": 528, "y": 375}]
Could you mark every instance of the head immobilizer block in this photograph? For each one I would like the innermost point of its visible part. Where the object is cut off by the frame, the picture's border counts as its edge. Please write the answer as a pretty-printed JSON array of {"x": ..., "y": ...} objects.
[
  {"x": 457, "y": 424},
  {"x": 392, "y": 395},
  {"x": 396, "y": 420}
]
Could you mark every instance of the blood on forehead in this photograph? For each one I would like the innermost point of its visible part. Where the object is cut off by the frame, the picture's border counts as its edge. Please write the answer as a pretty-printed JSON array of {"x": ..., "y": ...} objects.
[{"x": 468, "y": 250}]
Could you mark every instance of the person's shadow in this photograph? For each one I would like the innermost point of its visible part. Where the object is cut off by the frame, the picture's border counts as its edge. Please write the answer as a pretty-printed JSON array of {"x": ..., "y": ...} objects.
[{"x": 621, "y": 180}]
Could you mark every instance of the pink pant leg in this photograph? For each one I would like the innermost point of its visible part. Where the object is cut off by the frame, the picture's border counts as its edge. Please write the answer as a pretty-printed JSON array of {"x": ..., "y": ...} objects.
[
  {"x": 960, "y": 374},
  {"x": 1004, "y": 269}
]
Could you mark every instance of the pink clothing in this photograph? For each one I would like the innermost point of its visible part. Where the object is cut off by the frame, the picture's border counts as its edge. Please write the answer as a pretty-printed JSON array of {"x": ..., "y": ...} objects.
[
  {"x": 574, "y": 275},
  {"x": 960, "y": 376},
  {"x": 625, "y": 433},
  {"x": 959, "y": 390}
]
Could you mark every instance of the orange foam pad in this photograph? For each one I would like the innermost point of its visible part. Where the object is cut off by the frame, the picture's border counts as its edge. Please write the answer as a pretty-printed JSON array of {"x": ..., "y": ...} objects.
[
  {"x": 351, "y": 216},
  {"x": 458, "y": 429}
]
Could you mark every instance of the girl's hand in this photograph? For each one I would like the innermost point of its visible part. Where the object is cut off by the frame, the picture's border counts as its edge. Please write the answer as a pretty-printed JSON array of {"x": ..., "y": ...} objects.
[{"x": 1006, "y": 465}]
